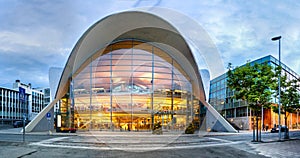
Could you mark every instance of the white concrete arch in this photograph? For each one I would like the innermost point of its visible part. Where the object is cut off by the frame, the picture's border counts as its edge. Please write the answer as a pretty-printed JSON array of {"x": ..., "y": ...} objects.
[{"x": 183, "y": 35}]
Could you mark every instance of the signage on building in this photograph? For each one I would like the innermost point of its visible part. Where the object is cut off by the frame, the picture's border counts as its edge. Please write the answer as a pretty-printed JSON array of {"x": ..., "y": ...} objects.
[
  {"x": 48, "y": 115},
  {"x": 22, "y": 94}
]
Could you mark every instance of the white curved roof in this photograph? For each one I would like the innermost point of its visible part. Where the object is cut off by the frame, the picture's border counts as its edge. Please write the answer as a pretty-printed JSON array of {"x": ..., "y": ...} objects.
[
  {"x": 186, "y": 35},
  {"x": 189, "y": 44}
]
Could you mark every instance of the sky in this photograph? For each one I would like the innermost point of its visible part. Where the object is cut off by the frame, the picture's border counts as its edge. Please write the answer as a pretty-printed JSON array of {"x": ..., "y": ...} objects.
[{"x": 38, "y": 34}]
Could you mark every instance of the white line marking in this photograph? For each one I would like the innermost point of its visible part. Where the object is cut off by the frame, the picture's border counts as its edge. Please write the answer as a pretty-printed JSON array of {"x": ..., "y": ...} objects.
[
  {"x": 222, "y": 140},
  {"x": 45, "y": 143},
  {"x": 49, "y": 140}
]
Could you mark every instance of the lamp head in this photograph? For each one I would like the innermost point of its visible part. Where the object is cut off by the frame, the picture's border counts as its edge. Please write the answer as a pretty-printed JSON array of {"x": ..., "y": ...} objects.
[{"x": 276, "y": 38}]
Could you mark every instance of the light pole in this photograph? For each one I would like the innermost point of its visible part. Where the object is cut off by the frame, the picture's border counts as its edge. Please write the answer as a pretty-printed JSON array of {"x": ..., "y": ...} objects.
[{"x": 279, "y": 88}]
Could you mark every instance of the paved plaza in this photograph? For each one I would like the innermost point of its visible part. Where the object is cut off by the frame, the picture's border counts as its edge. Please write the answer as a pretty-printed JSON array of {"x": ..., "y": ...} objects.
[{"x": 144, "y": 144}]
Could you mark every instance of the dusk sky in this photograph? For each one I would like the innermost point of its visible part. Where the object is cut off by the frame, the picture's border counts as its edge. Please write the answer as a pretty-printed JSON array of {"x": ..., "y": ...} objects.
[{"x": 38, "y": 34}]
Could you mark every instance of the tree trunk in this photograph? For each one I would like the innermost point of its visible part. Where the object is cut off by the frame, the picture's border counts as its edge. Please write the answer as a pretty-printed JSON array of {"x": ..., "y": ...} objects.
[
  {"x": 257, "y": 126},
  {"x": 253, "y": 124},
  {"x": 253, "y": 128},
  {"x": 286, "y": 136}
]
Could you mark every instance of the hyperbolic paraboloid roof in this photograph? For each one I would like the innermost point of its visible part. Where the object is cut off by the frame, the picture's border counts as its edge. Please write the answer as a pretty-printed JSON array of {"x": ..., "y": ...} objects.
[{"x": 169, "y": 30}]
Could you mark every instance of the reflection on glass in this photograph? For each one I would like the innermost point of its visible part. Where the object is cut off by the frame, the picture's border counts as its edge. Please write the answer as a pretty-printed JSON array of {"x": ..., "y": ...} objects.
[{"x": 130, "y": 86}]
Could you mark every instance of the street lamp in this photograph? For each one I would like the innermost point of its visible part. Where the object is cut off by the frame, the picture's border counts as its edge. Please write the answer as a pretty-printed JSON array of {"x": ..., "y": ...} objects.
[{"x": 279, "y": 88}]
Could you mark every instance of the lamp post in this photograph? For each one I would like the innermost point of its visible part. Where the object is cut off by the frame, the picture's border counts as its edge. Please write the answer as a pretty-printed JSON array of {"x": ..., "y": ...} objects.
[{"x": 279, "y": 88}]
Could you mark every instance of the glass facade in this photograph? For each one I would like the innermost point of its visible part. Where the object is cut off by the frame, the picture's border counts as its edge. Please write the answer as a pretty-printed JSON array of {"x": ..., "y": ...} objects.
[
  {"x": 220, "y": 96},
  {"x": 37, "y": 101},
  {"x": 130, "y": 85}
]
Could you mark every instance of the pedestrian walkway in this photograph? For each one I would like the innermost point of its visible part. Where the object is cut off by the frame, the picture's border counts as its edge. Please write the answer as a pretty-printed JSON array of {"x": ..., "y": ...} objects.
[
  {"x": 146, "y": 141},
  {"x": 266, "y": 136},
  {"x": 19, "y": 131},
  {"x": 11, "y": 130},
  {"x": 133, "y": 142},
  {"x": 5, "y": 126},
  {"x": 200, "y": 133},
  {"x": 278, "y": 149}
]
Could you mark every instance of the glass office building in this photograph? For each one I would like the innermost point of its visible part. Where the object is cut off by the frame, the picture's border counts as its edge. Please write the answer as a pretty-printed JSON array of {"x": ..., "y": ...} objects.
[{"x": 237, "y": 111}]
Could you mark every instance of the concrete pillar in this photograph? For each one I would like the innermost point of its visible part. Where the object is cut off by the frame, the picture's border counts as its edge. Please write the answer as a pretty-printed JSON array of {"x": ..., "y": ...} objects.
[{"x": 234, "y": 112}]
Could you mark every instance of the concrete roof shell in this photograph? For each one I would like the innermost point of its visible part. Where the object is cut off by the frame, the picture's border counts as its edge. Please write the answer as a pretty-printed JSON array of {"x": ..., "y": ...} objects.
[
  {"x": 190, "y": 45},
  {"x": 130, "y": 24}
]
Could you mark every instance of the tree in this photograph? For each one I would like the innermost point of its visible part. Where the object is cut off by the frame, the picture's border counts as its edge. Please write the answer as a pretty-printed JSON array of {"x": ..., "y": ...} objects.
[
  {"x": 289, "y": 97},
  {"x": 252, "y": 83}
]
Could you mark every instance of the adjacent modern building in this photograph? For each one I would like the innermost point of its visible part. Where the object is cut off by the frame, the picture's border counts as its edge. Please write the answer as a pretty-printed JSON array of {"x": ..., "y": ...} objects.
[
  {"x": 131, "y": 70},
  {"x": 237, "y": 111},
  {"x": 47, "y": 97},
  {"x": 13, "y": 109}
]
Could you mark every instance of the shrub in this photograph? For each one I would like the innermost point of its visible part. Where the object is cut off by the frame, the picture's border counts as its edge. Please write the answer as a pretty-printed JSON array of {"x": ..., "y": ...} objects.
[
  {"x": 190, "y": 129},
  {"x": 157, "y": 128}
]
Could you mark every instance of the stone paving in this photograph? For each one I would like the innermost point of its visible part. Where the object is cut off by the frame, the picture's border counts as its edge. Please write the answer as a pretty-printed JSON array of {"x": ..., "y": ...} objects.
[
  {"x": 146, "y": 142},
  {"x": 135, "y": 142},
  {"x": 288, "y": 149}
]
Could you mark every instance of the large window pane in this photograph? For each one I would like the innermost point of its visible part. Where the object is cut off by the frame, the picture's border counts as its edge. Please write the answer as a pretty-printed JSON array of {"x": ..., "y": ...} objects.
[{"x": 131, "y": 88}]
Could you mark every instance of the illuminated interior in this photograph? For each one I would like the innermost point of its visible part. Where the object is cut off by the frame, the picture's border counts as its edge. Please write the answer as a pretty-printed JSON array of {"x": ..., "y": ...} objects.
[{"x": 129, "y": 86}]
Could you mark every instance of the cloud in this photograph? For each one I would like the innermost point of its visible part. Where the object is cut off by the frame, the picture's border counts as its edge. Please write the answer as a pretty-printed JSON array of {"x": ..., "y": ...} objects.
[
  {"x": 29, "y": 67},
  {"x": 37, "y": 34},
  {"x": 242, "y": 30},
  {"x": 10, "y": 41}
]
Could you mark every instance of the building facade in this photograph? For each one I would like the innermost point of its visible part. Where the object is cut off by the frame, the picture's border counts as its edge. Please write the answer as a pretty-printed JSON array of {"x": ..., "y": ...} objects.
[
  {"x": 130, "y": 71},
  {"x": 13, "y": 109},
  {"x": 120, "y": 88},
  {"x": 237, "y": 111},
  {"x": 46, "y": 95}
]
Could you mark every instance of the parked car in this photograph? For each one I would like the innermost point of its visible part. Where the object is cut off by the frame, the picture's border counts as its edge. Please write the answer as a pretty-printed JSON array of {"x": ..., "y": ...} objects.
[
  {"x": 276, "y": 129},
  {"x": 18, "y": 124}
]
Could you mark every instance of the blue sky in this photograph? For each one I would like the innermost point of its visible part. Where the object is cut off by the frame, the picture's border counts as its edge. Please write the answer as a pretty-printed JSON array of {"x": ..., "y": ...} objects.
[{"x": 38, "y": 34}]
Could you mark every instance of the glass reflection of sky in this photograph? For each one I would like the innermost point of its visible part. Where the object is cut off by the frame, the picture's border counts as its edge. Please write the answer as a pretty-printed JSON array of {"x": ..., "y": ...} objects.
[
  {"x": 125, "y": 82},
  {"x": 132, "y": 67}
]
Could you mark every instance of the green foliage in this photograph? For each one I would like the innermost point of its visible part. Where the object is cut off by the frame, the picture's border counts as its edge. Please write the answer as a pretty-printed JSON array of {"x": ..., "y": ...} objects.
[
  {"x": 290, "y": 96},
  {"x": 252, "y": 83},
  {"x": 190, "y": 129}
]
